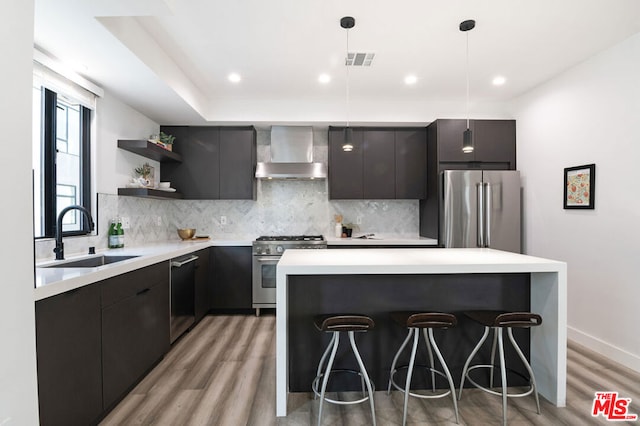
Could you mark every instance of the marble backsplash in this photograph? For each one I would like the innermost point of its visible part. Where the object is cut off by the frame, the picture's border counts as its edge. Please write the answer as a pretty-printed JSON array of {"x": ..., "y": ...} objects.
[{"x": 282, "y": 207}]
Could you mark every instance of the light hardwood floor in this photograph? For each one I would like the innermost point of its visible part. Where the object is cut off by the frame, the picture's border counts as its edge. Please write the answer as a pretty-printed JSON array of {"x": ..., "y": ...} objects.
[{"x": 223, "y": 373}]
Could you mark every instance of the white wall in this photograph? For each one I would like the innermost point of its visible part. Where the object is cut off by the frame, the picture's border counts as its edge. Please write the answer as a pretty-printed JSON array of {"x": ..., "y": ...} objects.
[
  {"x": 116, "y": 120},
  {"x": 18, "y": 389},
  {"x": 589, "y": 114}
]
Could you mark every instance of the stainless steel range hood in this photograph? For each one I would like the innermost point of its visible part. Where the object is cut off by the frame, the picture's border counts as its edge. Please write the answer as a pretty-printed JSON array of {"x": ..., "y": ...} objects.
[{"x": 291, "y": 155}]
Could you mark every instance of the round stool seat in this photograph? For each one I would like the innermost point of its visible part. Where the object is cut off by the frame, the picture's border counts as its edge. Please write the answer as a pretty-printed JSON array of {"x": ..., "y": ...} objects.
[
  {"x": 424, "y": 319},
  {"x": 505, "y": 319},
  {"x": 343, "y": 322}
]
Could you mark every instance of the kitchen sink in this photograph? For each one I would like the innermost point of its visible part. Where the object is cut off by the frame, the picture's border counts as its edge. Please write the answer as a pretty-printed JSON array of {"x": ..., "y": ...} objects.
[{"x": 90, "y": 262}]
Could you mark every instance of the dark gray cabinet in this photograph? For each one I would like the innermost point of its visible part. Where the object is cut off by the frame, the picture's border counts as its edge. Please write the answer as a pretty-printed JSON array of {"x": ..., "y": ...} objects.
[
  {"x": 411, "y": 163},
  {"x": 232, "y": 278},
  {"x": 135, "y": 327},
  {"x": 494, "y": 144},
  {"x": 203, "y": 283},
  {"x": 69, "y": 357},
  {"x": 386, "y": 163},
  {"x": 197, "y": 177},
  {"x": 217, "y": 162},
  {"x": 345, "y": 168},
  {"x": 237, "y": 163},
  {"x": 379, "y": 168}
]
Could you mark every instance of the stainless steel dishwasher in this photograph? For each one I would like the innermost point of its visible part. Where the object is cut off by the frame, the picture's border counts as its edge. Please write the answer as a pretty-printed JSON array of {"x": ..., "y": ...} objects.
[{"x": 182, "y": 295}]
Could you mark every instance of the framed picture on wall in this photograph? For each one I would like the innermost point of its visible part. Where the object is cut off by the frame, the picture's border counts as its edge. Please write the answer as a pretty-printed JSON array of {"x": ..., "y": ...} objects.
[{"x": 580, "y": 187}]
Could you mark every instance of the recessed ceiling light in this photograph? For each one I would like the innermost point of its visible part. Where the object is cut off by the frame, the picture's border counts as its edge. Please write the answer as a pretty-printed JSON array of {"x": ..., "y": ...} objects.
[
  {"x": 410, "y": 79},
  {"x": 324, "y": 78},
  {"x": 499, "y": 80},
  {"x": 234, "y": 77}
]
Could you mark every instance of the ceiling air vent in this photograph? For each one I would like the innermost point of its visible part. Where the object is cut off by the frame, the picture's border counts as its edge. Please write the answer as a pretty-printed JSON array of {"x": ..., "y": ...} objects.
[{"x": 358, "y": 59}]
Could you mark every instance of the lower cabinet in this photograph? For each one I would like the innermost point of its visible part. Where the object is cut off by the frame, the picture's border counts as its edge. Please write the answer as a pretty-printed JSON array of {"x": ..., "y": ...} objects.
[
  {"x": 69, "y": 357},
  {"x": 231, "y": 287},
  {"x": 135, "y": 327},
  {"x": 95, "y": 343}
]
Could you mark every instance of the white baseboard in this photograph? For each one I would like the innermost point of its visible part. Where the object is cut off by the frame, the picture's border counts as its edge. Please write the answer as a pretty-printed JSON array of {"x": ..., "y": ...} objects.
[{"x": 605, "y": 349}]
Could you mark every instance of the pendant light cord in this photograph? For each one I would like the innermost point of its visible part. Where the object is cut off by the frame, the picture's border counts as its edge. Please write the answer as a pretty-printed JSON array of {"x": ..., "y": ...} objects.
[
  {"x": 346, "y": 63},
  {"x": 467, "y": 79}
]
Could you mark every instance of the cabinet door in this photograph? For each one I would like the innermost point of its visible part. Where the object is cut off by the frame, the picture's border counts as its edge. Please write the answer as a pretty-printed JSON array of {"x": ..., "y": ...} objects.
[
  {"x": 202, "y": 284},
  {"x": 237, "y": 163},
  {"x": 69, "y": 357},
  {"x": 232, "y": 284},
  {"x": 345, "y": 168},
  {"x": 495, "y": 141},
  {"x": 379, "y": 164},
  {"x": 135, "y": 335},
  {"x": 411, "y": 163},
  {"x": 449, "y": 134},
  {"x": 198, "y": 176}
]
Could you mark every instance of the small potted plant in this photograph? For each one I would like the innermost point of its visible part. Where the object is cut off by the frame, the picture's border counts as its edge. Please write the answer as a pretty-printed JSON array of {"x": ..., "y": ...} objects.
[
  {"x": 145, "y": 174},
  {"x": 166, "y": 141}
]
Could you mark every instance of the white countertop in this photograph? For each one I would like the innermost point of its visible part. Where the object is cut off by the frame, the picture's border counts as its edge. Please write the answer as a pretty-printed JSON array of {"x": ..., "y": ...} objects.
[
  {"x": 52, "y": 281},
  {"x": 382, "y": 240},
  {"x": 412, "y": 261}
]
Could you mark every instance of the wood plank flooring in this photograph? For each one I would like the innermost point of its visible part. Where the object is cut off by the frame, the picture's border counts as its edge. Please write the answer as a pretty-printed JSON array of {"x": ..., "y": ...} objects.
[{"x": 223, "y": 373}]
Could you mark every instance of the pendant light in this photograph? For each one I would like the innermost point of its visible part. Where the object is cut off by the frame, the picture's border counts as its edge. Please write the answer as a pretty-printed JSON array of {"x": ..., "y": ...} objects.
[
  {"x": 467, "y": 137},
  {"x": 347, "y": 22}
]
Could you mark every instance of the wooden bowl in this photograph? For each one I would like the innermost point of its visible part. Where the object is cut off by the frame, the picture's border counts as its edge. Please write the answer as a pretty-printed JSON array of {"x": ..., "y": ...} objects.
[{"x": 187, "y": 233}]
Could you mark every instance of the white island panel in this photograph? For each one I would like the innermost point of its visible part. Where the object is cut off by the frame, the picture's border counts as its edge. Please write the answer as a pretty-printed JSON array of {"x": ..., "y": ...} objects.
[{"x": 548, "y": 297}]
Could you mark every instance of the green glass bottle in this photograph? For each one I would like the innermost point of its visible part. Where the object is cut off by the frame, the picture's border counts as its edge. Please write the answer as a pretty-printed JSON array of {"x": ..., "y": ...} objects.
[
  {"x": 120, "y": 233},
  {"x": 113, "y": 234}
]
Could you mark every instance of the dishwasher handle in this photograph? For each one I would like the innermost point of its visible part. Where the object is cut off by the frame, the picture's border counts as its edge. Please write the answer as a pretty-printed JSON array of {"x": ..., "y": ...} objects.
[{"x": 178, "y": 264}]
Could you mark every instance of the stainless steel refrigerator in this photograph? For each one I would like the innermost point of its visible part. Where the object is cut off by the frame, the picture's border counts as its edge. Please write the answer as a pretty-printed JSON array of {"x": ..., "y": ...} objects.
[{"x": 480, "y": 208}]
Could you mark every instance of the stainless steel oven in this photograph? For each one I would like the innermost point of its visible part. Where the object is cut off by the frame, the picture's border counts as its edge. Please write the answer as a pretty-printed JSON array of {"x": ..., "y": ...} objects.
[{"x": 267, "y": 251}]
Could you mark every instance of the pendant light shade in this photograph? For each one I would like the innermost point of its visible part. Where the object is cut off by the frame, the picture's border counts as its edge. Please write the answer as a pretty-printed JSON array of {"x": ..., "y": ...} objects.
[
  {"x": 347, "y": 22},
  {"x": 467, "y": 136},
  {"x": 348, "y": 139}
]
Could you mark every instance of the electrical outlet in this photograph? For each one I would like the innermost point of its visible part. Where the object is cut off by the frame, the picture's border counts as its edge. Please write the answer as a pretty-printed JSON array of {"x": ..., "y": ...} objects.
[
  {"x": 223, "y": 220},
  {"x": 126, "y": 224},
  {"x": 359, "y": 220},
  {"x": 159, "y": 220}
]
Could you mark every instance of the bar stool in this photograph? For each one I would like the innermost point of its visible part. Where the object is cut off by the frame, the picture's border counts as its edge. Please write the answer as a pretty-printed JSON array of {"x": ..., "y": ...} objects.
[
  {"x": 425, "y": 322},
  {"x": 496, "y": 321},
  {"x": 336, "y": 324}
]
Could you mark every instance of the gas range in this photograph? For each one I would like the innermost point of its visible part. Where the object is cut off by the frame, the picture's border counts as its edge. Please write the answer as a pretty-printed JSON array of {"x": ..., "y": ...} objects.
[
  {"x": 277, "y": 244},
  {"x": 267, "y": 251}
]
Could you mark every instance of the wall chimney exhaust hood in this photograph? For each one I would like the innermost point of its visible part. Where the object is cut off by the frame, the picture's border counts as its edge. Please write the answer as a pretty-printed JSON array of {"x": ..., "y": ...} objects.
[{"x": 291, "y": 155}]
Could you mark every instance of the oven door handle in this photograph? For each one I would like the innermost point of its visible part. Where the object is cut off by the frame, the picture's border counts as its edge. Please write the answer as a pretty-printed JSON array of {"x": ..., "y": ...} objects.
[{"x": 268, "y": 259}]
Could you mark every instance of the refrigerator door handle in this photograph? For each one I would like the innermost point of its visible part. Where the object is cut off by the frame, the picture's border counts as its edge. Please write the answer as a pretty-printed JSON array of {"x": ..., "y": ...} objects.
[
  {"x": 480, "y": 214},
  {"x": 487, "y": 214}
]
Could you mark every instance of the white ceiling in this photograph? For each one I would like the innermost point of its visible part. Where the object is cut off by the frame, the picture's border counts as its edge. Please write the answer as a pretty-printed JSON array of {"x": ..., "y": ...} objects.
[{"x": 170, "y": 59}]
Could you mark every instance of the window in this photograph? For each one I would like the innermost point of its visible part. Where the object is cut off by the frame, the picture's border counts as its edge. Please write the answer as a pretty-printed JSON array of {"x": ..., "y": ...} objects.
[{"x": 61, "y": 160}]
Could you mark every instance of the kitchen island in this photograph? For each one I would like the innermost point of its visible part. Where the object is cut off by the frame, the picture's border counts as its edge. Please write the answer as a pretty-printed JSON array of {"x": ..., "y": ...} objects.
[{"x": 374, "y": 281}]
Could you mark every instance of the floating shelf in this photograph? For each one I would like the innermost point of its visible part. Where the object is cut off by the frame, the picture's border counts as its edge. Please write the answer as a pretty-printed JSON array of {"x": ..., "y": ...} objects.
[
  {"x": 149, "y": 193},
  {"x": 149, "y": 149}
]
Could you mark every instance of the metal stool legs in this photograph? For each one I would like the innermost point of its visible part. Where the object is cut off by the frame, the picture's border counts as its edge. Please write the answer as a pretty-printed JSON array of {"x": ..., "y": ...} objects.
[
  {"x": 430, "y": 342},
  {"x": 498, "y": 338},
  {"x": 331, "y": 349}
]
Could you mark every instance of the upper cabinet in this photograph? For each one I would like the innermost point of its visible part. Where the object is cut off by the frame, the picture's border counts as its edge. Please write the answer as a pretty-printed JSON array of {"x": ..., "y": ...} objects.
[
  {"x": 494, "y": 144},
  {"x": 386, "y": 163},
  {"x": 217, "y": 162}
]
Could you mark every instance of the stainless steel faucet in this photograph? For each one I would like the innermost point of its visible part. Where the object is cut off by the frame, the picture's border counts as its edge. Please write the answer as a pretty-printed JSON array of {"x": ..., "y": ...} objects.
[{"x": 59, "y": 250}]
